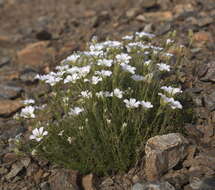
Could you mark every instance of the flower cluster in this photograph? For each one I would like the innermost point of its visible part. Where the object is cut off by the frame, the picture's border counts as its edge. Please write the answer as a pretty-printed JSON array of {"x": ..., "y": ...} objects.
[{"x": 103, "y": 97}]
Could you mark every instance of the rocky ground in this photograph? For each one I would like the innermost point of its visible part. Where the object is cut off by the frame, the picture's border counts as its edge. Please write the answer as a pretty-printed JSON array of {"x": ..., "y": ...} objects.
[{"x": 36, "y": 35}]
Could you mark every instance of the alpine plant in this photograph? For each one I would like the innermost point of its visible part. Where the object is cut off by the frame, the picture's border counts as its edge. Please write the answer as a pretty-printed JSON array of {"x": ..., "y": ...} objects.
[{"x": 105, "y": 103}]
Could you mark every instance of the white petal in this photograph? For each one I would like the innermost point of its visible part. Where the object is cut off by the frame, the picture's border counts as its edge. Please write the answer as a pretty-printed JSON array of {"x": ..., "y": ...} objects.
[{"x": 32, "y": 137}]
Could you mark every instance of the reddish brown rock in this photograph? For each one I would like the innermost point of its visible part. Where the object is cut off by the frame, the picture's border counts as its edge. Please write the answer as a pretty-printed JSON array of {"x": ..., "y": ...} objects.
[
  {"x": 163, "y": 153},
  {"x": 87, "y": 182},
  {"x": 35, "y": 54},
  {"x": 159, "y": 16},
  {"x": 202, "y": 36},
  {"x": 8, "y": 107}
]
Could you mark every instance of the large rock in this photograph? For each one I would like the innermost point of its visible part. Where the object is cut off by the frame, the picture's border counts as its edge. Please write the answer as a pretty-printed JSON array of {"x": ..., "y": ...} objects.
[
  {"x": 35, "y": 54},
  {"x": 9, "y": 92},
  {"x": 163, "y": 153},
  {"x": 148, "y": 4},
  {"x": 153, "y": 186},
  {"x": 64, "y": 180},
  {"x": 7, "y": 107},
  {"x": 209, "y": 74}
]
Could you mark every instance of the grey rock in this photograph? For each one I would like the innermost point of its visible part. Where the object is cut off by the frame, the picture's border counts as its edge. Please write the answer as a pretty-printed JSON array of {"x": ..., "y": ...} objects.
[
  {"x": 163, "y": 29},
  {"x": 210, "y": 73},
  {"x": 163, "y": 153},
  {"x": 148, "y": 4},
  {"x": 28, "y": 76},
  {"x": 138, "y": 186},
  {"x": 10, "y": 129},
  {"x": 153, "y": 186},
  {"x": 3, "y": 171},
  {"x": 209, "y": 101},
  {"x": 2, "y": 2},
  {"x": 26, "y": 161},
  {"x": 45, "y": 186},
  {"x": 205, "y": 21},
  {"x": 207, "y": 183},
  {"x": 16, "y": 168},
  {"x": 44, "y": 35},
  {"x": 64, "y": 179},
  {"x": 5, "y": 60},
  {"x": 9, "y": 92}
]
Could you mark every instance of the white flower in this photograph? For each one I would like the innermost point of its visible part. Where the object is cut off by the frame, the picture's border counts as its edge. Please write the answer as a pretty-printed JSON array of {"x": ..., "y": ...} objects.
[
  {"x": 128, "y": 68},
  {"x": 61, "y": 133},
  {"x": 65, "y": 100},
  {"x": 71, "y": 78},
  {"x": 28, "y": 112},
  {"x": 96, "y": 79},
  {"x": 170, "y": 101},
  {"x": 118, "y": 93},
  {"x": 128, "y": 37},
  {"x": 168, "y": 54},
  {"x": 112, "y": 44},
  {"x": 134, "y": 45},
  {"x": 103, "y": 73},
  {"x": 93, "y": 53},
  {"x": 107, "y": 94},
  {"x": 29, "y": 101},
  {"x": 86, "y": 94},
  {"x": 105, "y": 62},
  {"x": 108, "y": 121},
  {"x": 123, "y": 58},
  {"x": 168, "y": 41},
  {"x": 142, "y": 34},
  {"x": 51, "y": 78},
  {"x": 175, "y": 104},
  {"x": 131, "y": 103},
  {"x": 163, "y": 67},
  {"x": 70, "y": 140},
  {"x": 102, "y": 94},
  {"x": 147, "y": 62},
  {"x": 75, "y": 111},
  {"x": 137, "y": 77},
  {"x": 83, "y": 71},
  {"x": 38, "y": 134},
  {"x": 71, "y": 58},
  {"x": 34, "y": 152},
  {"x": 62, "y": 67},
  {"x": 146, "y": 105},
  {"x": 170, "y": 90}
]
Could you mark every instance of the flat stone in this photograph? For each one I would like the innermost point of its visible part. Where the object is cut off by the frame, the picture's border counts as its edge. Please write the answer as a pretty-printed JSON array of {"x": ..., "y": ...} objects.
[
  {"x": 64, "y": 179},
  {"x": 45, "y": 186},
  {"x": 132, "y": 12},
  {"x": 8, "y": 107},
  {"x": 4, "y": 61},
  {"x": 209, "y": 101},
  {"x": 153, "y": 186},
  {"x": 209, "y": 73},
  {"x": 35, "y": 54},
  {"x": 9, "y": 92},
  {"x": 87, "y": 182},
  {"x": 26, "y": 161},
  {"x": 148, "y": 4},
  {"x": 205, "y": 21},
  {"x": 16, "y": 168},
  {"x": 202, "y": 36},
  {"x": 28, "y": 76},
  {"x": 159, "y": 16},
  {"x": 206, "y": 183},
  {"x": 163, "y": 153}
]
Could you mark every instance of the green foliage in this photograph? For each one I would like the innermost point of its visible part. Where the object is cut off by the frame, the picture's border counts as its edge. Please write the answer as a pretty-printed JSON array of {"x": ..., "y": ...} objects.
[{"x": 91, "y": 127}]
